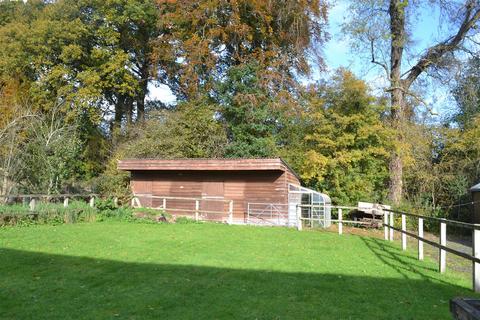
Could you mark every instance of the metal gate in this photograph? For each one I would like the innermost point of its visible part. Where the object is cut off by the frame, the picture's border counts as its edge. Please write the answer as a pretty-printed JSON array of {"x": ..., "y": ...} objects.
[{"x": 270, "y": 214}]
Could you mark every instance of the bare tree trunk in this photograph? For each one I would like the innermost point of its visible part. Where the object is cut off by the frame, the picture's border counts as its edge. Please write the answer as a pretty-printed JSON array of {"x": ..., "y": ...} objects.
[
  {"x": 397, "y": 101},
  {"x": 129, "y": 111},
  {"x": 142, "y": 94},
  {"x": 119, "y": 113},
  {"x": 141, "y": 107}
]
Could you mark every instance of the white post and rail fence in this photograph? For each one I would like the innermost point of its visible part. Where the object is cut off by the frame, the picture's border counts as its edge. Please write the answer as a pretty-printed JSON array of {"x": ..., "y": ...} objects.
[{"x": 388, "y": 218}]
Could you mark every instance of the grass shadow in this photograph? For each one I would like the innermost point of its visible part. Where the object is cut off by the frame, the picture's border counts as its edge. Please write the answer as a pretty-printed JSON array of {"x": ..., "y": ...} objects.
[
  {"x": 400, "y": 261},
  {"x": 46, "y": 286}
]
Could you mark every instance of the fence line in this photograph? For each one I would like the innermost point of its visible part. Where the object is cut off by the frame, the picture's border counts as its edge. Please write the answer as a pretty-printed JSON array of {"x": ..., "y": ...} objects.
[
  {"x": 388, "y": 224},
  {"x": 389, "y": 228},
  {"x": 66, "y": 198},
  {"x": 69, "y": 195},
  {"x": 196, "y": 211}
]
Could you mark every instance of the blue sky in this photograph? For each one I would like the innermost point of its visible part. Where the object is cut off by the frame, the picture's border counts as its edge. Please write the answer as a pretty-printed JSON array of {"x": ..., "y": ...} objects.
[
  {"x": 337, "y": 54},
  {"x": 426, "y": 32}
]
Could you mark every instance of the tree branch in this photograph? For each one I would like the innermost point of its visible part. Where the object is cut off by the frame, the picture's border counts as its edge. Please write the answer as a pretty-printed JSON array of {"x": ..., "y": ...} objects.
[
  {"x": 436, "y": 52},
  {"x": 383, "y": 65}
]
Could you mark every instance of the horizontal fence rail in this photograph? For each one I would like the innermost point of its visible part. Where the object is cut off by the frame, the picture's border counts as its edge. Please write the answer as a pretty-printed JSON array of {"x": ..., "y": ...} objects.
[
  {"x": 387, "y": 221},
  {"x": 32, "y": 198},
  {"x": 279, "y": 213},
  {"x": 188, "y": 206},
  {"x": 52, "y": 196}
]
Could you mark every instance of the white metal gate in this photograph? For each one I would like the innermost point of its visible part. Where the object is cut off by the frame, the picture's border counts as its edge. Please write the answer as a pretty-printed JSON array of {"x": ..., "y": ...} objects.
[{"x": 271, "y": 214}]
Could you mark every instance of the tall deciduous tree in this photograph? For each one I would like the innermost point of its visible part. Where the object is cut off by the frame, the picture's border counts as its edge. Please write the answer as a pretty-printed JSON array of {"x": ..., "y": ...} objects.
[
  {"x": 467, "y": 94},
  {"x": 383, "y": 30},
  {"x": 344, "y": 145},
  {"x": 249, "y": 113},
  {"x": 210, "y": 36}
]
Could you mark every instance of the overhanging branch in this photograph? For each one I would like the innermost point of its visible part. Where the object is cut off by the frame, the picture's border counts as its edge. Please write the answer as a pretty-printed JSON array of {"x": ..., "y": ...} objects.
[
  {"x": 436, "y": 52},
  {"x": 383, "y": 65}
]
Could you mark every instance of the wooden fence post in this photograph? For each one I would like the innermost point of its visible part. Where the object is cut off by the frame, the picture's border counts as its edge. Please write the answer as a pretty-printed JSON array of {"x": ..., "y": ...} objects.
[
  {"x": 115, "y": 202},
  {"x": 404, "y": 236},
  {"x": 164, "y": 204},
  {"x": 92, "y": 201},
  {"x": 443, "y": 241},
  {"x": 340, "y": 223},
  {"x": 197, "y": 207},
  {"x": 391, "y": 226},
  {"x": 65, "y": 202},
  {"x": 230, "y": 212},
  {"x": 32, "y": 204},
  {"x": 420, "y": 242},
  {"x": 299, "y": 220},
  {"x": 476, "y": 254},
  {"x": 385, "y": 222}
]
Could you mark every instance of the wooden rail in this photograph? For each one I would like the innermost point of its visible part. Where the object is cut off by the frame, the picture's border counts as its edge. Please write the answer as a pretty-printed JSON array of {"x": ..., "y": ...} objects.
[
  {"x": 136, "y": 203},
  {"x": 66, "y": 198},
  {"x": 52, "y": 196},
  {"x": 389, "y": 228}
]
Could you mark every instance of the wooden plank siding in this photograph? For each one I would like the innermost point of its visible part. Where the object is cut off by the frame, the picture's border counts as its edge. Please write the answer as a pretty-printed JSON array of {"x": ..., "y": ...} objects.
[{"x": 240, "y": 180}]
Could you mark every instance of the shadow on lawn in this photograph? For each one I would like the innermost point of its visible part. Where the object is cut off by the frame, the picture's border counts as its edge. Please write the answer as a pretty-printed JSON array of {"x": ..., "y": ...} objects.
[{"x": 46, "y": 286}]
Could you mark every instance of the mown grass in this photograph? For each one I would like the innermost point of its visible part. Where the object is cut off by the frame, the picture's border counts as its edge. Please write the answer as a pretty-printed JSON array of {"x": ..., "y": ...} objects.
[{"x": 119, "y": 270}]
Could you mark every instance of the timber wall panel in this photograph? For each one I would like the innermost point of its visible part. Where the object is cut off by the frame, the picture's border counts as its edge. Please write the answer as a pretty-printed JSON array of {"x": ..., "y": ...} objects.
[{"x": 240, "y": 186}]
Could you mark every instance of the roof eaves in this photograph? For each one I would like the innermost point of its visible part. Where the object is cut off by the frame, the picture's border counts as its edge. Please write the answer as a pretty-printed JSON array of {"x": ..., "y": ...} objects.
[{"x": 290, "y": 168}]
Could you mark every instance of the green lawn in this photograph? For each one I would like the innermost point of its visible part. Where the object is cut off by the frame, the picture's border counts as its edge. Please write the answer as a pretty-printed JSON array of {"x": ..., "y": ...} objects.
[{"x": 115, "y": 270}]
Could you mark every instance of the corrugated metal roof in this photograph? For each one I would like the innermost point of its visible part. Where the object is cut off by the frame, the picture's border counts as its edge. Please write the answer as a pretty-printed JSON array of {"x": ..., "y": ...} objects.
[{"x": 475, "y": 188}]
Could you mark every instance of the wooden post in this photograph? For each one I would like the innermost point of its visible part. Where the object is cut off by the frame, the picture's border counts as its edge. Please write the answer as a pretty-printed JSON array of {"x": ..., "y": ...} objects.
[
  {"x": 299, "y": 220},
  {"x": 164, "y": 204},
  {"x": 230, "y": 212},
  {"x": 133, "y": 202},
  {"x": 92, "y": 202},
  {"x": 197, "y": 207},
  {"x": 340, "y": 219},
  {"x": 65, "y": 202},
  {"x": 391, "y": 226},
  {"x": 476, "y": 254},
  {"x": 385, "y": 222},
  {"x": 404, "y": 236},
  {"x": 420, "y": 242},
  {"x": 32, "y": 204},
  {"x": 443, "y": 241},
  {"x": 115, "y": 202}
]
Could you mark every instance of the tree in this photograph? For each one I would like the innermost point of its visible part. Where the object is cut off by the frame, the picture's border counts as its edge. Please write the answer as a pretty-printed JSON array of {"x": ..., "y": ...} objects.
[
  {"x": 467, "y": 94},
  {"x": 50, "y": 154},
  {"x": 190, "y": 131},
  {"x": 12, "y": 142},
  {"x": 210, "y": 36},
  {"x": 249, "y": 113},
  {"x": 122, "y": 32},
  {"x": 344, "y": 148},
  {"x": 93, "y": 57},
  {"x": 383, "y": 31}
]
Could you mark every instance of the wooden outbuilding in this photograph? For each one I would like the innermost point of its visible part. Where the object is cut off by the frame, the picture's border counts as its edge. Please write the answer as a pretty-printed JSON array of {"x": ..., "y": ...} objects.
[{"x": 216, "y": 189}]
